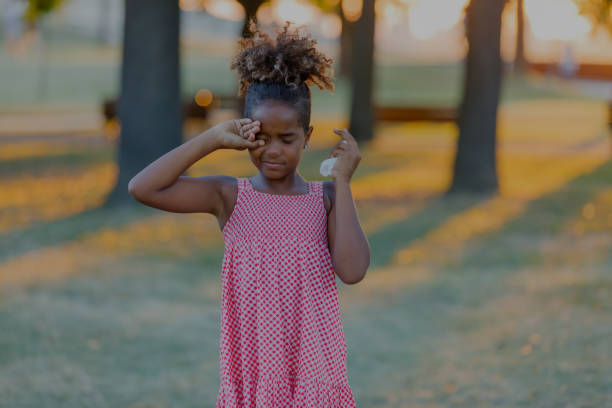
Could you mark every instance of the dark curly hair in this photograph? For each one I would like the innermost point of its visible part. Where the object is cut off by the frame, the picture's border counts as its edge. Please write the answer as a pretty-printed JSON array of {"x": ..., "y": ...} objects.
[{"x": 281, "y": 69}]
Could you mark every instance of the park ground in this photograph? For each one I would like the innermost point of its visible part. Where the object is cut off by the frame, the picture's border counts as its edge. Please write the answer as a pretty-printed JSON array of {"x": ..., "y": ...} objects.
[{"x": 471, "y": 301}]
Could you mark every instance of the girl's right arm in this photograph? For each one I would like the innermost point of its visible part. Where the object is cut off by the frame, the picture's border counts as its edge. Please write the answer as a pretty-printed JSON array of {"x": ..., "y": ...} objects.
[{"x": 161, "y": 185}]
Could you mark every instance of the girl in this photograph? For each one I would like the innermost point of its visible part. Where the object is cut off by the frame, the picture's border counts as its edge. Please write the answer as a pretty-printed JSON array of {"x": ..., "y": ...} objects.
[{"x": 282, "y": 340}]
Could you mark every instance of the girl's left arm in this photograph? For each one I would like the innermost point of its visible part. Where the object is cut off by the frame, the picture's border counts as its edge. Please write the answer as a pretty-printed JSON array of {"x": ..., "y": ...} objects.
[{"x": 349, "y": 247}]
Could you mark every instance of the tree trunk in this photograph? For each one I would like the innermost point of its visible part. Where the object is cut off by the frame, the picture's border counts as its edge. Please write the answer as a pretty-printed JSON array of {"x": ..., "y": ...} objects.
[
  {"x": 346, "y": 44},
  {"x": 362, "y": 115},
  {"x": 520, "y": 61},
  {"x": 475, "y": 167},
  {"x": 149, "y": 104},
  {"x": 250, "y": 13}
]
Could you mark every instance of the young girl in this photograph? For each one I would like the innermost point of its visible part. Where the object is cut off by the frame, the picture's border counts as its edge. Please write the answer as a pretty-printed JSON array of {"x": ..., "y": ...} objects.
[{"x": 282, "y": 340}]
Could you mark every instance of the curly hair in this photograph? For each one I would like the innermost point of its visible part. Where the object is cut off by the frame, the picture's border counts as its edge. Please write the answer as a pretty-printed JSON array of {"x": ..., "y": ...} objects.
[{"x": 281, "y": 68}]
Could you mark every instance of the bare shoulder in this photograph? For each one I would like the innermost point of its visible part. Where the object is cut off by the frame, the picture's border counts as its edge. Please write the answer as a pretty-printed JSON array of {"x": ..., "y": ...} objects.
[
  {"x": 228, "y": 186},
  {"x": 329, "y": 194}
]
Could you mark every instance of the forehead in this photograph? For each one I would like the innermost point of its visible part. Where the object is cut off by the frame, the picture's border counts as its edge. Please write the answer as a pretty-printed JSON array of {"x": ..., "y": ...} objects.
[{"x": 276, "y": 115}]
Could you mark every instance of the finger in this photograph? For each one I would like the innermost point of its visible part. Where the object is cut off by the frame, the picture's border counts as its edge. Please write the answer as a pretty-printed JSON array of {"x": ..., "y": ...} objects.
[
  {"x": 345, "y": 134},
  {"x": 250, "y": 125},
  {"x": 243, "y": 131},
  {"x": 251, "y": 131},
  {"x": 342, "y": 145},
  {"x": 244, "y": 121},
  {"x": 253, "y": 144},
  {"x": 334, "y": 153}
]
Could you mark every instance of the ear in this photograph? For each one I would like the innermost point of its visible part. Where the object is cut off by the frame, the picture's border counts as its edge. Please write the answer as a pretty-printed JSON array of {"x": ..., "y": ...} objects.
[{"x": 307, "y": 135}]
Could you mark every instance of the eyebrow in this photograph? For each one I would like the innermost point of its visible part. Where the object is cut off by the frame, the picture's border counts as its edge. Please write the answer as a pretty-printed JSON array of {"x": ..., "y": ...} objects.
[{"x": 281, "y": 134}]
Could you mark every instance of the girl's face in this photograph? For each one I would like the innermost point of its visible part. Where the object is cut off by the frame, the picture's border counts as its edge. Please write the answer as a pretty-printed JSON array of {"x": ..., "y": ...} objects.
[{"x": 284, "y": 137}]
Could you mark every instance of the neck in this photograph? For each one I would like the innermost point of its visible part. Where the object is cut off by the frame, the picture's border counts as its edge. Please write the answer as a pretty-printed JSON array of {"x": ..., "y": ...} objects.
[{"x": 288, "y": 184}]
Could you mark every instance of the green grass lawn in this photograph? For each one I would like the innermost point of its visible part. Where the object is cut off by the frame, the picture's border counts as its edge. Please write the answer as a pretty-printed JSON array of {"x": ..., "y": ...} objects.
[
  {"x": 483, "y": 301},
  {"x": 471, "y": 301}
]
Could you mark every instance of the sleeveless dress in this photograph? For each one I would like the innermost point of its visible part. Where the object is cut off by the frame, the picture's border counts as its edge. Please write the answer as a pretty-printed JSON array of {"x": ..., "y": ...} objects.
[{"x": 282, "y": 341}]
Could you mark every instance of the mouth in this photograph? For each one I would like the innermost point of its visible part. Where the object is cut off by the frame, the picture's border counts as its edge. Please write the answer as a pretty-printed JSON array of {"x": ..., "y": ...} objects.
[{"x": 273, "y": 165}]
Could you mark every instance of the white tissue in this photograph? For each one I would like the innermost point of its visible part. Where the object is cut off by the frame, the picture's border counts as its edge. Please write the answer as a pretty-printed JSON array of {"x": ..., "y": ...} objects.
[{"x": 327, "y": 165}]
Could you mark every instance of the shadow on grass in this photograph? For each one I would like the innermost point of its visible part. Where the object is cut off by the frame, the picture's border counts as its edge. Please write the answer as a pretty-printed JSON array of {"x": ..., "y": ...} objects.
[
  {"x": 546, "y": 215},
  {"x": 417, "y": 326},
  {"x": 389, "y": 240},
  {"x": 46, "y": 233},
  {"x": 39, "y": 165}
]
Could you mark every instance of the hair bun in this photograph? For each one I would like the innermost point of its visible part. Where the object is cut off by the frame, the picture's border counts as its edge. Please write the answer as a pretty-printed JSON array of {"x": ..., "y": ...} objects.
[{"x": 291, "y": 58}]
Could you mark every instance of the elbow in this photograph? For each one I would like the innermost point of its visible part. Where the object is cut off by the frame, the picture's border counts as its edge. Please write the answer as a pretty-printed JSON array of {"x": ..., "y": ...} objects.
[
  {"x": 135, "y": 193},
  {"x": 354, "y": 279},
  {"x": 134, "y": 190},
  {"x": 357, "y": 274},
  {"x": 353, "y": 269}
]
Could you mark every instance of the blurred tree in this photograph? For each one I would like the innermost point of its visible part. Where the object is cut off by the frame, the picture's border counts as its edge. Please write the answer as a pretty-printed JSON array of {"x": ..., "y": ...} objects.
[
  {"x": 520, "y": 61},
  {"x": 250, "y": 11},
  {"x": 598, "y": 11},
  {"x": 474, "y": 167},
  {"x": 347, "y": 30},
  {"x": 38, "y": 8},
  {"x": 362, "y": 76},
  {"x": 35, "y": 14},
  {"x": 346, "y": 46},
  {"x": 149, "y": 103}
]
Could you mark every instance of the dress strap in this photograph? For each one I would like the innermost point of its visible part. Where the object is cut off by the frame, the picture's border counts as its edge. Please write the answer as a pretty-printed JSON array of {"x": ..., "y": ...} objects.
[
  {"x": 242, "y": 184},
  {"x": 315, "y": 188}
]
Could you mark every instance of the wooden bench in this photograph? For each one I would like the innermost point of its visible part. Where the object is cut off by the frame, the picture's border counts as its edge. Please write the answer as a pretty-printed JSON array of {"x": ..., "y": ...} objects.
[
  {"x": 191, "y": 109},
  {"x": 415, "y": 113}
]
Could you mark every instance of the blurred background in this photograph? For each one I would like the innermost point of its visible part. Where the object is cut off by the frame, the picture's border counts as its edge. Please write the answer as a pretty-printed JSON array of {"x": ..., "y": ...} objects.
[{"x": 484, "y": 189}]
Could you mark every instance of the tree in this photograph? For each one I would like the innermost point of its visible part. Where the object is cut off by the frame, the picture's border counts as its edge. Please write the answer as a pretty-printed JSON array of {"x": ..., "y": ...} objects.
[
  {"x": 474, "y": 167},
  {"x": 35, "y": 13},
  {"x": 38, "y": 8},
  {"x": 346, "y": 46},
  {"x": 346, "y": 34},
  {"x": 362, "y": 83},
  {"x": 598, "y": 11},
  {"x": 250, "y": 11},
  {"x": 520, "y": 61},
  {"x": 149, "y": 103}
]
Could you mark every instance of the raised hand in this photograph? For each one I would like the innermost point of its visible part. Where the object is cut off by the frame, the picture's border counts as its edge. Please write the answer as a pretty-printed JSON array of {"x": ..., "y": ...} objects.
[
  {"x": 347, "y": 152},
  {"x": 238, "y": 134}
]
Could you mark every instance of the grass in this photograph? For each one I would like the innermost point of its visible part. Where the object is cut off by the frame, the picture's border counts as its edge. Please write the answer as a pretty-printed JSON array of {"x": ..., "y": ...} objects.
[
  {"x": 474, "y": 301},
  {"x": 470, "y": 301}
]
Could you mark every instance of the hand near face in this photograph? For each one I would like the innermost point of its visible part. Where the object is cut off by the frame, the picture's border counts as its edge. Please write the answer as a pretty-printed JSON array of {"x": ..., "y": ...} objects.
[
  {"x": 347, "y": 152},
  {"x": 238, "y": 134}
]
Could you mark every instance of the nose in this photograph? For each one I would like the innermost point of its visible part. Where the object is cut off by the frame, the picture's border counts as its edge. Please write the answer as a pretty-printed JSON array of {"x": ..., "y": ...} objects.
[{"x": 273, "y": 149}]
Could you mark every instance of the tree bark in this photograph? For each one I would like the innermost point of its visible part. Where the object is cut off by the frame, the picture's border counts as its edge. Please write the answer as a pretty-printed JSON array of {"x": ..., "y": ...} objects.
[
  {"x": 250, "y": 13},
  {"x": 346, "y": 43},
  {"x": 520, "y": 61},
  {"x": 362, "y": 115},
  {"x": 149, "y": 104},
  {"x": 475, "y": 165}
]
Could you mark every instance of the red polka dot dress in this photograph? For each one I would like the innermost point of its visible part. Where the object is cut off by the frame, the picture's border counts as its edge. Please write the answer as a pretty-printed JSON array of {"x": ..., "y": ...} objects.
[{"x": 282, "y": 341}]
